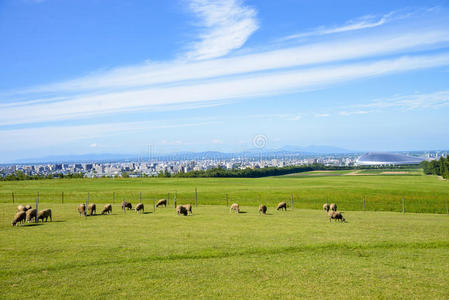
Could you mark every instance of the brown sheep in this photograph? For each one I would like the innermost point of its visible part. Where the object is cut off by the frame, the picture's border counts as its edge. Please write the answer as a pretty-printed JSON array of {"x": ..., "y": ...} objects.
[
  {"x": 82, "y": 209},
  {"x": 181, "y": 210},
  {"x": 19, "y": 218},
  {"x": 333, "y": 207},
  {"x": 326, "y": 207},
  {"x": 21, "y": 208},
  {"x": 44, "y": 214},
  {"x": 126, "y": 205},
  {"x": 140, "y": 207},
  {"x": 107, "y": 209},
  {"x": 188, "y": 207},
  {"x": 282, "y": 205},
  {"x": 92, "y": 208},
  {"x": 27, "y": 207},
  {"x": 336, "y": 215},
  {"x": 162, "y": 202},
  {"x": 234, "y": 207},
  {"x": 262, "y": 209},
  {"x": 31, "y": 213}
]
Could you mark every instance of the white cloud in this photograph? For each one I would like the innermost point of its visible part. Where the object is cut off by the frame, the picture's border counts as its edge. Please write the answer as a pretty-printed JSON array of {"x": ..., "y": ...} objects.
[
  {"x": 322, "y": 115},
  {"x": 93, "y": 145},
  {"x": 433, "y": 100},
  {"x": 228, "y": 88},
  {"x": 180, "y": 71},
  {"x": 57, "y": 135},
  {"x": 350, "y": 113},
  {"x": 364, "y": 22},
  {"x": 227, "y": 25}
]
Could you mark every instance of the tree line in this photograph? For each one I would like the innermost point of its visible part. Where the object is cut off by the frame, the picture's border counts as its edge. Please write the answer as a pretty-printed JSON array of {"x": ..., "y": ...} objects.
[
  {"x": 20, "y": 175},
  {"x": 438, "y": 167},
  {"x": 255, "y": 173}
]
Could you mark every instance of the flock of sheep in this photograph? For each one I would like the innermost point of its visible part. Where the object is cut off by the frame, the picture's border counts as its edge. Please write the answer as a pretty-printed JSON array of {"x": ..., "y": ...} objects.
[{"x": 27, "y": 213}]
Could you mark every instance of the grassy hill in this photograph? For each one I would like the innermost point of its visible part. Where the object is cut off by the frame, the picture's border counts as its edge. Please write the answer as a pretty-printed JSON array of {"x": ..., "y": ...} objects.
[{"x": 383, "y": 192}]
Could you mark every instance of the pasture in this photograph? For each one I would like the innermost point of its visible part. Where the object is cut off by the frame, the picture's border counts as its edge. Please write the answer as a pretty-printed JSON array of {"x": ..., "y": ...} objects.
[
  {"x": 216, "y": 254},
  {"x": 422, "y": 194}
]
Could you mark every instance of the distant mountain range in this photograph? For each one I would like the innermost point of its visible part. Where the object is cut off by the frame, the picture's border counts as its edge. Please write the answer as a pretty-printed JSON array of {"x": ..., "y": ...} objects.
[{"x": 251, "y": 153}]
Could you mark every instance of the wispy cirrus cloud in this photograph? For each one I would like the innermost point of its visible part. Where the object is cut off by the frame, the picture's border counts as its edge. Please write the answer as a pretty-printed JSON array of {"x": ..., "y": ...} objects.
[
  {"x": 55, "y": 135},
  {"x": 253, "y": 85},
  {"x": 364, "y": 22},
  {"x": 419, "y": 101},
  {"x": 434, "y": 100},
  {"x": 189, "y": 83},
  {"x": 225, "y": 25},
  {"x": 356, "y": 112},
  {"x": 287, "y": 57}
]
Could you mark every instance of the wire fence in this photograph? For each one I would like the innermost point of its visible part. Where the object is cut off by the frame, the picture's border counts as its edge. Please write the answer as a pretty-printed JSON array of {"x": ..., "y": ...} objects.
[{"x": 396, "y": 203}]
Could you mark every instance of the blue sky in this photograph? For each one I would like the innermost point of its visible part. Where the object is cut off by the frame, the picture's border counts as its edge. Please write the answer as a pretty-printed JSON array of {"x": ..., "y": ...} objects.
[{"x": 192, "y": 75}]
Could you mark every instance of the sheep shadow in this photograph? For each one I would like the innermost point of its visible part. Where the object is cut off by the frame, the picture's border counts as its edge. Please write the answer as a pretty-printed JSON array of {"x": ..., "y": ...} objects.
[
  {"x": 243, "y": 212},
  {"x": 147, "y": 212},
  {"x": 33, "y": 224}
]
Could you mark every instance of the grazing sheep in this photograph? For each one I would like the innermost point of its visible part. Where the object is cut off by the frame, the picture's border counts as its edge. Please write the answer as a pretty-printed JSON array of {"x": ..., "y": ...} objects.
[
  {"x": 19, "y": 218},
  {"x": 139, "y": 207},
  {"x": 162, "y": 202},
  {"x": 181, "y": 210},
  {"x": 82, "y": 209},
  {"x": 282, "y": 205},
  {"x": 336, "y": 215},
  {"x": 262, "y": 209},
  {"x": 326, "y": 207},
  {"x": 188, "y": 207},
  {"x": 92, "y": 208},
  {"x": 21, "y": 208},
  {"x": 27, "y": 207},
  {"x": 31, "y": 213},
  {"x": 234, "y": 207},
  {"x": 126, "y": 205},
  {"x": 44, "y": 214},
  {"x": 107, "y": 209},
  {"x": 333, "y": 207}
]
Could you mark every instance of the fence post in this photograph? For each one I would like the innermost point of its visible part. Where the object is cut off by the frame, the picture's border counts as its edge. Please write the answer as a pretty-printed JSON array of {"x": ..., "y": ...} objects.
[
  {"x": 140, "y": 197},
  {"x": 196, "y": 197},
  {"x": 447, "y": 207},
  {"x": 12, "y": 194},
  {"x": 168, "y": 198},
  {"x": 403, "y": 205},
  {"x": 259, "y": 199},
  {"x": 227, "y": 201},
  {"x": 37, "y": 208},
  {"x": 62, "y": 198},
  {"x": 291, "y": 197},
  {"x": 113, "y": 197},
  {"x": 87, "y": 203},
  {"x": 174, "y": 200}
]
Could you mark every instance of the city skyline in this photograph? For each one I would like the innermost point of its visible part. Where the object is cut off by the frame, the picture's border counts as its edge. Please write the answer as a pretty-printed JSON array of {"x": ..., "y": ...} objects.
[{"x": 80, "y": 77}]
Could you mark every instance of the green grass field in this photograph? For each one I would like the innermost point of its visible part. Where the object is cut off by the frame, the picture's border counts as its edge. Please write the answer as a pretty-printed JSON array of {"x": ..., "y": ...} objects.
[
  {"x": 423, "y": 194},
  {"x": 215, "y": 254}
]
